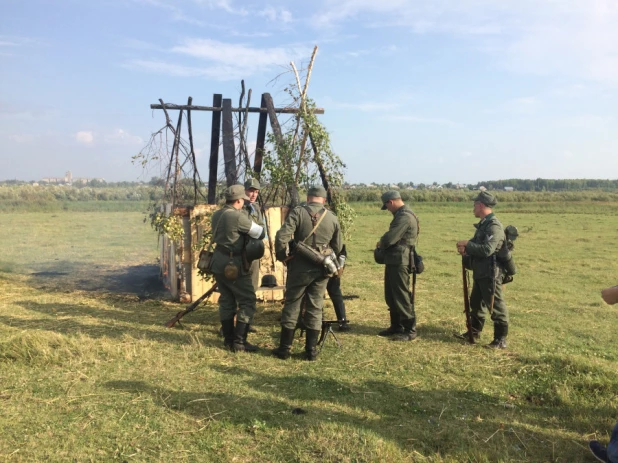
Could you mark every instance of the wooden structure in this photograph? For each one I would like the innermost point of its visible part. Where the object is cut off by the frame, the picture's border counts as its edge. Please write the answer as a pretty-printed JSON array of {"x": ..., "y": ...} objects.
[{"x": 179, "y": 263}]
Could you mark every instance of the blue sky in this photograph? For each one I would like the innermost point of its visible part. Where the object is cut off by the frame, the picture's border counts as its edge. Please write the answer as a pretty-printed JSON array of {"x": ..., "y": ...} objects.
[{"x": 423, "y": 91}]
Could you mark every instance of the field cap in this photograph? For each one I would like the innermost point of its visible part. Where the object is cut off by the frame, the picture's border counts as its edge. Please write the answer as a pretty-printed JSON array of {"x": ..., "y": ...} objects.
[
  {"x": 317, "y": 191},
  {"x": 252, "y": 184},
  {"x": 386, "y": 197},
  {"x": 235, "y": 192},
  {"x": 486, "y": 198}
]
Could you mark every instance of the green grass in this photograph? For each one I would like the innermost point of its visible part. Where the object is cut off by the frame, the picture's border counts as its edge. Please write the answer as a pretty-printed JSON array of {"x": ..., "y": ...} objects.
[{"x": 89, "y": 373}]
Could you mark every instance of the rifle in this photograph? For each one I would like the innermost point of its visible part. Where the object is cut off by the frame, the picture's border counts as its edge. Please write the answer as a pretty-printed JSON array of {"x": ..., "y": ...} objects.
[
  {"x": 494, "y": 270},
  {"x": 464, "y": 273},
  {"x": 191, "y": 307},
  {"x": 327, "y": 328}
]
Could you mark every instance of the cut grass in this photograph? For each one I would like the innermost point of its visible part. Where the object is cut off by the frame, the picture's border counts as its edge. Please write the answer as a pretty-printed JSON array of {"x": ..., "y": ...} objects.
[{"x": 89, "y": 373}]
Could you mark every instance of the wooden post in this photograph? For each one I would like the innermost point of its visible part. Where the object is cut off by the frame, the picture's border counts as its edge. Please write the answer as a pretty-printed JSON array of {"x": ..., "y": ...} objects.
[
  {"x": 320, "y": 164},
  {"x": 274, "y": 124},
  {"x": 214, "y": 149},
  {"x": 229, "y": 150},
  {"x": 261, "y": 139}
]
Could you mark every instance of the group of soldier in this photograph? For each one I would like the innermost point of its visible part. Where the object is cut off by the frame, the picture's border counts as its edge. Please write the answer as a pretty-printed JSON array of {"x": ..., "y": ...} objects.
[{"x": 312, "y": 228}]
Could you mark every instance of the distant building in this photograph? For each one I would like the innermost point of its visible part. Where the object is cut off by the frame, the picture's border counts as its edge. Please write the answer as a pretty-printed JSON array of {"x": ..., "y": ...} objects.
[
  {"x": 508, "y": 188},
  {"x": 68, "y": 180}
]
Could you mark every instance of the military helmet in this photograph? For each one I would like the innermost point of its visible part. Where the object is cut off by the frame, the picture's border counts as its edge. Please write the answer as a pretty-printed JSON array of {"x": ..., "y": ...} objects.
[
  {"x": 254, "y": 249},
  {"x": 269, "y": 281}
]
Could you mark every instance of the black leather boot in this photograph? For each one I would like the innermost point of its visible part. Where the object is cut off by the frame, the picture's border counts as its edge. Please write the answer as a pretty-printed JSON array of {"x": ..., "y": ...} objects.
[
  {"x": 285, "y": 344},
  {"x": 248, "y": 346},
  {"x": 239, "y": 337},
  {"x": 409, "y": 331},
  {"x": 395, "y": 327},
  {"x": 227, "y": 331},
  {"x": 500, "y": 332},
  {"x": 311, "y": 343},
  {"x": 340, "y": 313}
]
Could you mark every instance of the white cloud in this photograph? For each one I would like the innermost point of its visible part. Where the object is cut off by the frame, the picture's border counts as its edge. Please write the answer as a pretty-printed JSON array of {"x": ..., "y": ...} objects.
[
  {"x": 220, "y": 60},
  {"x": 573, "y": 37},
  {"x": 276, "y": 15},
  {"x": 522, "y": 105},
  {"x": 85, "y": 137},
  {"x": 417, "y": 119},
  {"x": 122, "y": 137}
]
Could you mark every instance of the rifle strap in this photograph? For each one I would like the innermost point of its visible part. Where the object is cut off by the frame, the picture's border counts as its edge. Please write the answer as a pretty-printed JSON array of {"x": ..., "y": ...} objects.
[
  {"x": 316, "y": 223},
  {"x": 413, "y": 288}
]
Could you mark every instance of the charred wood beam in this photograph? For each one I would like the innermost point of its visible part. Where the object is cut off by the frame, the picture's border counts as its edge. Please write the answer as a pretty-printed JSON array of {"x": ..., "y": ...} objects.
[
  {"x": 274, "y": 124},
  {"x": 229, "y": 150},
  {"x": 261, "y": 139},
  {"x": 214, "y": 149},
  {"x": 234, "y": 110}
]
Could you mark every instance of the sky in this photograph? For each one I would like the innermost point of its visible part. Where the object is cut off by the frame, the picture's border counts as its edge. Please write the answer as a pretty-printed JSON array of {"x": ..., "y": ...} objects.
[{"x": 413, "y": 90}]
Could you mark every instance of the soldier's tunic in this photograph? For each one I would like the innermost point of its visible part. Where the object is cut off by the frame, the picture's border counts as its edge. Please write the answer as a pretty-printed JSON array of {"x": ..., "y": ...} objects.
[
  {"x": 303, "y": 276},
  {"x": 396, "y": 244},
  {"x": 254, "y": 213},
  {"x": 487, "y": 241},
  {"x": 231, "y": 227}
]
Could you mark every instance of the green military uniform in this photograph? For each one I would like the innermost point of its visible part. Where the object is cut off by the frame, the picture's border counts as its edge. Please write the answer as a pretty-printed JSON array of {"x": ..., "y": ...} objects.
[
  {"x": 305, "y": 278},
  {"x": 486, "y": 273},
  {"x": 255, "y": 214},
  {"x": 397, "y": 244},
  {"x": 237, "y": 297}
]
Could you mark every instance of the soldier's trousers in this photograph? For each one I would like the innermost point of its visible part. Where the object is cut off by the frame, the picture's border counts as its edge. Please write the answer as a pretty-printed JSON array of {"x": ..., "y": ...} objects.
[
  {"x": 397, "y": 292},
  {"x": 311, "y": 284},
  {"x": 255, "y": 274},
  {"x": 336, "y": 296},
  {"x": 236, "y": 295},
  {"x": 480, "y": 302}
]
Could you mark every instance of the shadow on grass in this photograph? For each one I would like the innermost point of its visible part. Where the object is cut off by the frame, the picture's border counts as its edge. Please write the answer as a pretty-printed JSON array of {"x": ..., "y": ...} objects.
[
  {"x": 142, "y": 281},
  {"x": 111, "y": 321},
  {"x": 445, "y": 423}
]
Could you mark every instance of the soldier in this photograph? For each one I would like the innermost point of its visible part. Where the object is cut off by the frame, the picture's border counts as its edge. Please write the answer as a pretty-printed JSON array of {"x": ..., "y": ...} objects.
[
  {"x": 480, "y": 256},
  {"x": 333, "y": 288},
  {"x": 397, "y": 244},
  {"x": 237, "y": 297},
  {"x": 252, "y": 190},
  {"x": 318, "y": 228}
]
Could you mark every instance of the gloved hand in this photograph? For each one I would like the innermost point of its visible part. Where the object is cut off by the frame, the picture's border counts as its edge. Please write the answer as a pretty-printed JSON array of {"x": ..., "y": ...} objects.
[{"x": 344, "y": 252}]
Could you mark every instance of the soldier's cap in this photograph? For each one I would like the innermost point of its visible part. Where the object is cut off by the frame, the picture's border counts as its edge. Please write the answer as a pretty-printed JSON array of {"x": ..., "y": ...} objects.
[
  {"x": 252, "y": 184},
  {"x": 486, "y": 198},
  {"x": 389, "y": 195},
  {"x": 317, "y": 191},
  {"x": 235, "y": 192}
]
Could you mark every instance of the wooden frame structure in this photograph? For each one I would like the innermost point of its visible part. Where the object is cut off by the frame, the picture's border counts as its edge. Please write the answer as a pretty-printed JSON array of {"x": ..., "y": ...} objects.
[{"x": 179, "y": 263}]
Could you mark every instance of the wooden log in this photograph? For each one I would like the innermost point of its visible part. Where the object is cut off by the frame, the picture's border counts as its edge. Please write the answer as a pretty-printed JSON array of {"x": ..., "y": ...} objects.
[
  {"x": 261, "y": 140},
  {"x": 229, "y": 150},
  {"x": 214, "y": 150},
  {"x": 274, "y": 124},
  {"x": 216, "y": 109}
]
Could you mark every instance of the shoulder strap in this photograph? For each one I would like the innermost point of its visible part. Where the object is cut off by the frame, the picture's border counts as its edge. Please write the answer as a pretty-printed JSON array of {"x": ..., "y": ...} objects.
[
  {"x": 418, "y": 223},
  {"x": 314, "y": 219}
]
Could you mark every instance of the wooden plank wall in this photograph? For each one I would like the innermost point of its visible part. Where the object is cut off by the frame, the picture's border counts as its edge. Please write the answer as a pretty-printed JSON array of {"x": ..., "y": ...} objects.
[{"x": 188, "y": 280}]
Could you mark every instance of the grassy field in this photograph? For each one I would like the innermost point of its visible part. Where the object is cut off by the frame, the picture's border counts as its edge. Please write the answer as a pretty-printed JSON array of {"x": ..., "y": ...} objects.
[{"x": 89, "y": 373}]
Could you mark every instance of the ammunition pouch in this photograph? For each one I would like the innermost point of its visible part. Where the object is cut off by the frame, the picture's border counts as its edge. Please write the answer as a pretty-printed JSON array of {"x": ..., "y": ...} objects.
[
  {"x": 205, "y": 261},
  {"x": 417, "y": 266},
  {"x": 378, "y": 256}
]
